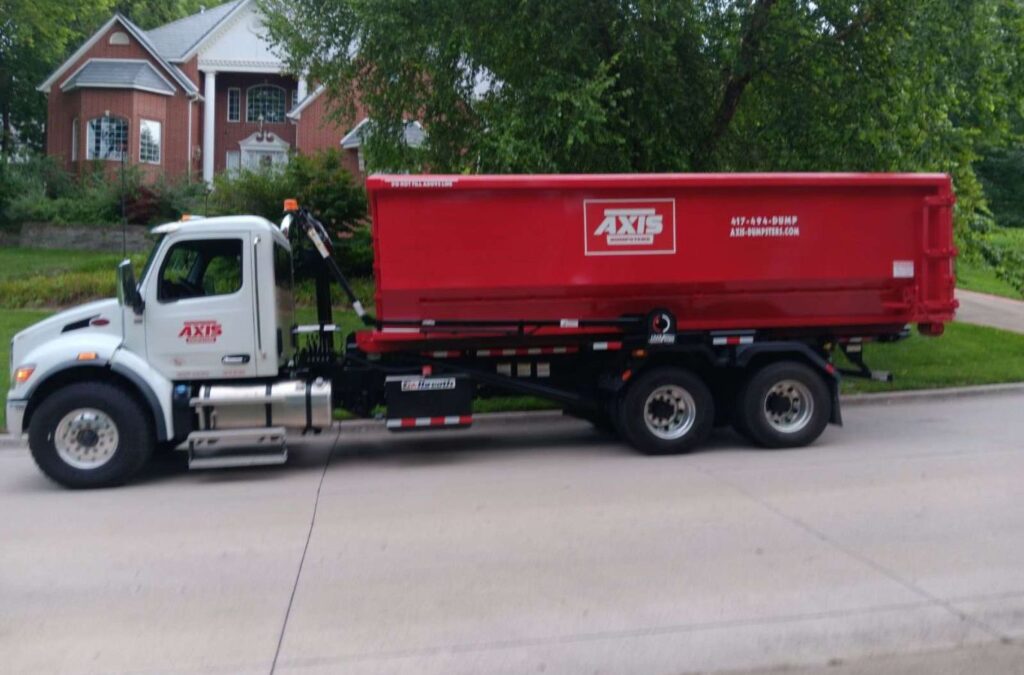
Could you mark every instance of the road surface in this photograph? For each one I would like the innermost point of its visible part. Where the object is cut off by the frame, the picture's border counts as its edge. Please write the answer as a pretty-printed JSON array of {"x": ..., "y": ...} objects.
[{"x": 896, "y": 544}]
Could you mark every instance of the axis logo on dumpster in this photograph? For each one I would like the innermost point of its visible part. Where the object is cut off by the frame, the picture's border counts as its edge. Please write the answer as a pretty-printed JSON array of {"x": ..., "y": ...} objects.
[{"x": 629, "y": 226}]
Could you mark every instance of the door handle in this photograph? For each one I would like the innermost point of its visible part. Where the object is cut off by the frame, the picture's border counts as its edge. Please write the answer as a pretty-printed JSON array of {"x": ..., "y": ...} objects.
[{"x": 235, "y": 359}]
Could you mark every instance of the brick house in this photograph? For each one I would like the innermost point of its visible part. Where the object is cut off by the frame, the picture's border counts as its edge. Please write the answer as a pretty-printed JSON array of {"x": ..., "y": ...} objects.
[{"x": 194, "y": 97}]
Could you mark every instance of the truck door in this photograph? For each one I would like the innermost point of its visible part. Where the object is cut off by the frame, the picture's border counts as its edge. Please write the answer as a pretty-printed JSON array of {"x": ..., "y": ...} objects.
[{"x": 199, "y": 311}]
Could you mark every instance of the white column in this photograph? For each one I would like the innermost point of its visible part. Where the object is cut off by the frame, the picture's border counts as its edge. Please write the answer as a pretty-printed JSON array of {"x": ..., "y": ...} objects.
[
  {"x": 209, "y": 123},
  {"x": 302, "y": 89}
]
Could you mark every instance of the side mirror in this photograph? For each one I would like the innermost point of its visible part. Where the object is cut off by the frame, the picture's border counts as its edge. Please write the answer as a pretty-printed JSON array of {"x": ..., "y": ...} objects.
[{"x": 127, "y": 290}]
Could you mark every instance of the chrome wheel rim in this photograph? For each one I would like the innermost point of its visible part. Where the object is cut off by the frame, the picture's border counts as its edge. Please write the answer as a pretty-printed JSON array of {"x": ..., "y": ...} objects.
[
  {"x": 788, "y": 406},
  {"x": 670, "y": 412},
  {"x": 86, "y": 438}
]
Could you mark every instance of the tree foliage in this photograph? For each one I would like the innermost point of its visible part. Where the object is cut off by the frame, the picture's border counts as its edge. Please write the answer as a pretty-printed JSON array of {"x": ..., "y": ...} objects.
[
  {"x": 37, "y": 35},
  {"x": 670, "y": 85}
]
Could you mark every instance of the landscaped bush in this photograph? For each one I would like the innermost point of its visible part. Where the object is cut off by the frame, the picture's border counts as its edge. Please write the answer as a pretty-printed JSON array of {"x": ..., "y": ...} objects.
[
  {"x": 40, "y": 191},
  {"x": 320, "y": 183}
]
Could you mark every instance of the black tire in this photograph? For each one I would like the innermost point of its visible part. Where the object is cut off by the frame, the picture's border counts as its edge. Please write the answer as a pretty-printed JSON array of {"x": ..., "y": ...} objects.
[
  {"x": 773, "y": 406},
  {"x": 696, "y": 421},
  {"x": 121, "y": 458}
]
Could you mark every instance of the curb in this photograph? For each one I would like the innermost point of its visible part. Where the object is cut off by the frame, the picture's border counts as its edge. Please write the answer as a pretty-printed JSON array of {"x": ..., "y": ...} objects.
[
  {"x": 888, "y": 397},
  {"x": 7, "y": 442}
]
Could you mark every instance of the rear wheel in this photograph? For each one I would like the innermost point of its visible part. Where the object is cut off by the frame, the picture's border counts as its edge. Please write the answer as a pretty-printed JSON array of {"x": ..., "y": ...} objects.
[
  {"x": 90, "y": 435},
  {"x": 666, "y": 411},
  {"x": 784, "y": 405}
]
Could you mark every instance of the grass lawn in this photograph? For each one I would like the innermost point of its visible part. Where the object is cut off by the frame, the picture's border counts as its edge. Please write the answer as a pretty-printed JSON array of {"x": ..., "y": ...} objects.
[
  {"x": 976, "y": 275},
  {"x": 965, "y": 355},
  {"x": 979, "y": 277}
]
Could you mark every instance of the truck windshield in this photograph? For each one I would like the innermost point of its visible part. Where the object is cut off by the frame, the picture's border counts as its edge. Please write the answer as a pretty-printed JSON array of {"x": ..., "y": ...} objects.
[{"x": 151, "y": 257}]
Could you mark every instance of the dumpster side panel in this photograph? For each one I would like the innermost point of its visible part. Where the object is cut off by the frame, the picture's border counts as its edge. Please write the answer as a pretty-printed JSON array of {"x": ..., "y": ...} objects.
[{"x": 746, "y": 251}]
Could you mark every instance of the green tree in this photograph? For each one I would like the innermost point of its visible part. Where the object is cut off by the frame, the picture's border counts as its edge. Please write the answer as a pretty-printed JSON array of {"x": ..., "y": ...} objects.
[
  {"x": 34, "y": 37},
  {"x": 152, "y": 13},
  {"x": 671, "y": 85}
]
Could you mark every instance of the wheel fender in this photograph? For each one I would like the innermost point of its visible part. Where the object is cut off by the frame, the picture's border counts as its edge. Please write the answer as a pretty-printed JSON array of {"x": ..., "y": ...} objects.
[
  {"x": 59, "y": 354},
  {"x": 155, "y": 388},
  {"x": 746, "y": 354}
]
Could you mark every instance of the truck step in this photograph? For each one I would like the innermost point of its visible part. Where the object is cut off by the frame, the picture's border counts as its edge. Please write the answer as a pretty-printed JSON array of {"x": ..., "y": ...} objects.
[{"x": 237, "y": 448}]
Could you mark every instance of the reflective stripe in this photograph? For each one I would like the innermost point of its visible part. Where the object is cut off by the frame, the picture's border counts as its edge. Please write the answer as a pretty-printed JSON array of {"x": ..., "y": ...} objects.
[
  {"x": 733, "y": 340},
  {"x": 527, "y": 351},
  {"x": 423, "y": 422},
  {"x": 607, "y": 346}
]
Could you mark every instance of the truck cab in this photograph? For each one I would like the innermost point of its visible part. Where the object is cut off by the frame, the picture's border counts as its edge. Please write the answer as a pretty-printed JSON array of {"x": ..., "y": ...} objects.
[{"x": 214, "y": 305}]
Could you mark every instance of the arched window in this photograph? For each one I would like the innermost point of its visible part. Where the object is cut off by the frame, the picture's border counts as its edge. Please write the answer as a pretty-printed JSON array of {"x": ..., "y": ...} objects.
[
  {"x": 107, "y": 138},
  {"x": 265, "y": 102}
]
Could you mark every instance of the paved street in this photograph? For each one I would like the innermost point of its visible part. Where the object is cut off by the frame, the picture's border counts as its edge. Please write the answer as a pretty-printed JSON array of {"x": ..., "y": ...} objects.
[{"x": 896, "y": 544}]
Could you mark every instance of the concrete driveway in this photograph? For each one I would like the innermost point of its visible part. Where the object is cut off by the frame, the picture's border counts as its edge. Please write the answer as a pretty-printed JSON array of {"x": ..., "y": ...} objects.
[
  {"x": 896, "y": 544},
  {"x": 990, "y": 310}
]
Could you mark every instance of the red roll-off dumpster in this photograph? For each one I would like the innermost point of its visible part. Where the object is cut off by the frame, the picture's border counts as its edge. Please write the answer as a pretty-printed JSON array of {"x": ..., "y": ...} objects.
[{"x": 850, "y": 253}]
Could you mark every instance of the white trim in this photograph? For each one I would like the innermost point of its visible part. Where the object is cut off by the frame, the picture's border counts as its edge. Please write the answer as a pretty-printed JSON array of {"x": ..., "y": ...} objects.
[
  {"x": 227, "y": 113},
  {"x": 136, "y": 33},
  {"x": 296, "y": 112},
  {"x": 352, "y": 139},
  {"x": 74, "y": 139}
]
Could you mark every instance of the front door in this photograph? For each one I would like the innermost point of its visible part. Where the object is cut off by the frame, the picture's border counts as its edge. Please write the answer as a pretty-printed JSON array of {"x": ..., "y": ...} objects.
[{"x": 199, "y": 313}]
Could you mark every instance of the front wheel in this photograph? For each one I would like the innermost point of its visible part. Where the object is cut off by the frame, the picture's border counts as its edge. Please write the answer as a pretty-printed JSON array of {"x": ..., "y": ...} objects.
[
  {"x": 784, "y": 405},
  {"x": 90, "y": 435},
  {"x": 666, "y": 411}
]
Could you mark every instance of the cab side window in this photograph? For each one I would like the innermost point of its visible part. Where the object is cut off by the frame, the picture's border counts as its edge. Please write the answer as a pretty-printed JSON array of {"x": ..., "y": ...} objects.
[{"x": 201, "y": 268}]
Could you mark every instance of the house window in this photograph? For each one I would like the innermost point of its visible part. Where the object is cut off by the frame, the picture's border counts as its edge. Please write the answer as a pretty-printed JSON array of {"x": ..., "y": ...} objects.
[
  {"x": 295, "y": 98},
  {"x": 234, "y": 104},
  {"x": 107, "y": 139},
  {"x": 149, "y": 141},
  {"x": 74, "y": 140},
  {"x": 233, "y": 162},
  {"x": 265, "y": 102}
]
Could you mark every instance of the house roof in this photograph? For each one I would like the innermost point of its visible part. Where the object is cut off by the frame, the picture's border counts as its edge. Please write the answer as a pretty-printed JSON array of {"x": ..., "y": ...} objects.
[
  {"x": 176, "y": 40},
  {"x": 296, "y": 112},
  {"x": 140, "y": 37},
  {"x": 119, "y": 74},
  {"x": 414, "y": 134}
]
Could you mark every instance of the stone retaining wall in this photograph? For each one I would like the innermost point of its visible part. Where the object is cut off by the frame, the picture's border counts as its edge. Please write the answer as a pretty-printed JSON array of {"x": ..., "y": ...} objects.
[{"x": 79, "y": 237}]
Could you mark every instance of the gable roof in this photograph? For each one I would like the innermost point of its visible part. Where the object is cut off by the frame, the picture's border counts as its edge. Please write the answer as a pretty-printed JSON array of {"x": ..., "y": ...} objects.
[
  {"x": 176, "y": 40},
  {"x": 413, "y": 134},
  {"x": 119, "y": 74},
  {"x": 139, "y": 36}
]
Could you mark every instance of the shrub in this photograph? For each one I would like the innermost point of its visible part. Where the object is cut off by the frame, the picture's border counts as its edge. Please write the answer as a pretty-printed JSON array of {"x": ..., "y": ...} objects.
[
  {"x": 39, "y": 190},
  {"x": 322, "y": 185}
]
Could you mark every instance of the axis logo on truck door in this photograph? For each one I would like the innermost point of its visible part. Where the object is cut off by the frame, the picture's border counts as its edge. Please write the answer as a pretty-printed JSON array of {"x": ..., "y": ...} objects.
[{"x": 629, "y": 226}]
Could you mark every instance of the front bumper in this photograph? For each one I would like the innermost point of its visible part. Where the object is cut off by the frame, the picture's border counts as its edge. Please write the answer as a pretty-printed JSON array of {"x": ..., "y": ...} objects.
[{"x": 15, "y": 417}]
